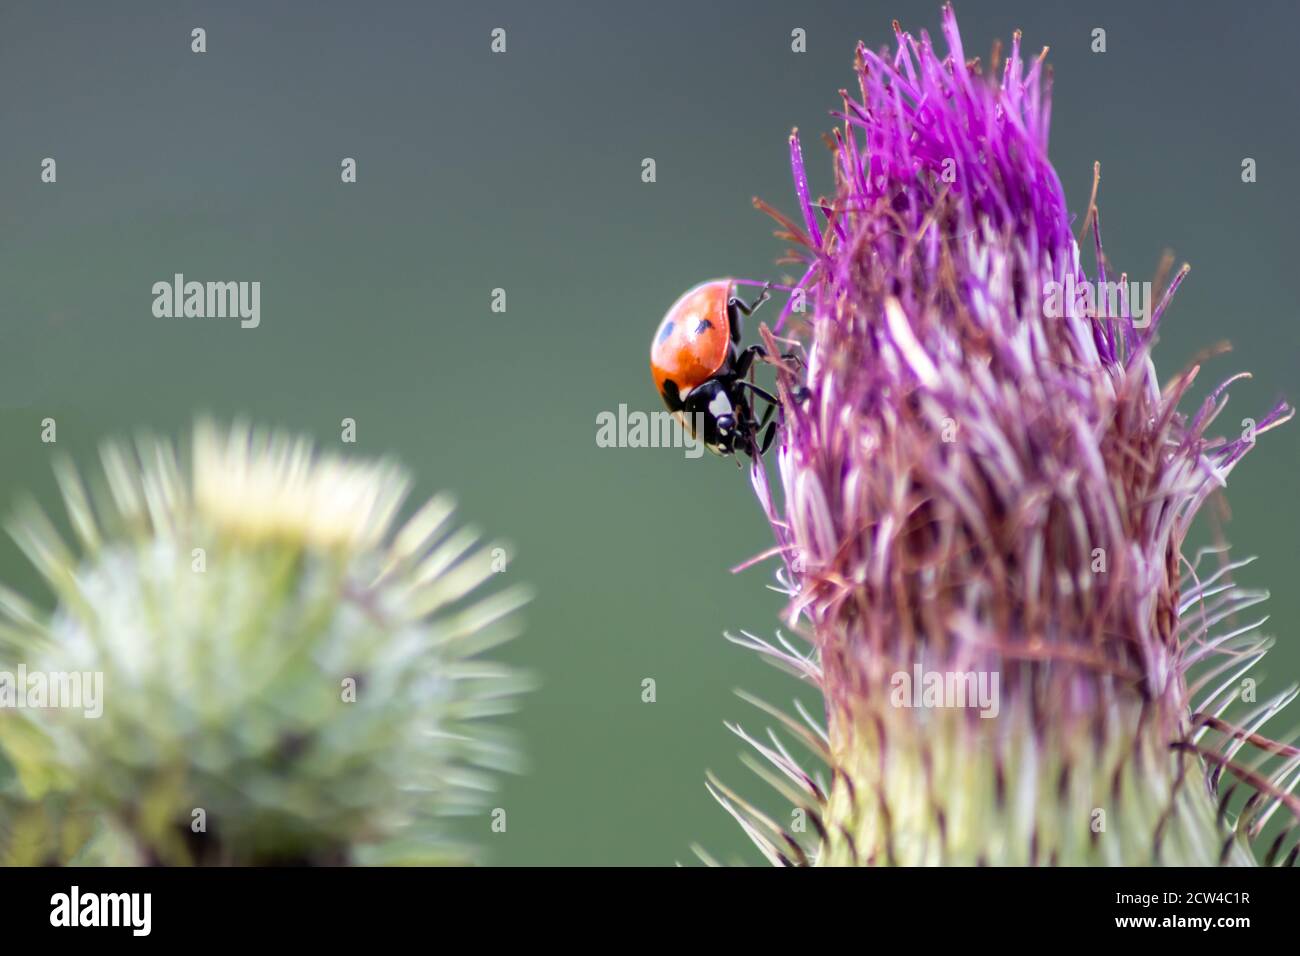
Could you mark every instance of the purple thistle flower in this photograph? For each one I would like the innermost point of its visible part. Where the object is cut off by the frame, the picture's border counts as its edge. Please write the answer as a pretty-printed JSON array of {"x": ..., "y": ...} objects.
[{"x": 991, "y": 485}]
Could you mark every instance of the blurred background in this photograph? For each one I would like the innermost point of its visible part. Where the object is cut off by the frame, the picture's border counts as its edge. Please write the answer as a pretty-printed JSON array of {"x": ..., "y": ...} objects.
[{"x": 522, "y": 171}]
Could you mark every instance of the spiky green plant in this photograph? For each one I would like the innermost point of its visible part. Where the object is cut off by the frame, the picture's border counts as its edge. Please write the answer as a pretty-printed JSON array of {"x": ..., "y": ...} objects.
[
  {"x": 286, "y": 679},
  {"x": 977, "y": 483}
]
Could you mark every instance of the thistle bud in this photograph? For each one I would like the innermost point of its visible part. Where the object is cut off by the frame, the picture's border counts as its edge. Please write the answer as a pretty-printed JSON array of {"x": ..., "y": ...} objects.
[
  {"x": 267, "y": 669},
  {"x": 985, "y": 500}
]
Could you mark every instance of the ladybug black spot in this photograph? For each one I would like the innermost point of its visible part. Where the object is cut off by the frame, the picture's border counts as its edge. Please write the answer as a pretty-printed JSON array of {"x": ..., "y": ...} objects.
[
  {"x": 703, "y": 327},
  {"x": 666, "y": 332}
]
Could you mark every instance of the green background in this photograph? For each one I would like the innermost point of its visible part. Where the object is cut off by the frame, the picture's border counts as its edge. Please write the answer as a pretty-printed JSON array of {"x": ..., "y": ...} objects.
[{"x": 522, "y": 171}]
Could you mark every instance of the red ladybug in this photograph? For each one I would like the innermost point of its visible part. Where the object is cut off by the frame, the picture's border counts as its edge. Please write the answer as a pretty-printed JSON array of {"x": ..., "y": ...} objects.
[{"x": 700, "y": 369}]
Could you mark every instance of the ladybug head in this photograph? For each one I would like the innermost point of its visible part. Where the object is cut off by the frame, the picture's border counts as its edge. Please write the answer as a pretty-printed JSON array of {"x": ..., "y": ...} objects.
[{"x": 718, "y": 413}]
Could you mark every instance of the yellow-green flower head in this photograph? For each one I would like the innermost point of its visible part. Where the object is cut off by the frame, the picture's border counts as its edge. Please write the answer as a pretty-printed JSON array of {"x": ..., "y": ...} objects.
[
  {"x": 271, "y": 487},
  {"x": 286, "y": 676}
]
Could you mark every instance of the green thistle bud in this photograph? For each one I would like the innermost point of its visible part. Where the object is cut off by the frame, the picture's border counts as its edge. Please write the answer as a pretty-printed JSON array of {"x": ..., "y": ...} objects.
[{"x": 285, "y": 678}]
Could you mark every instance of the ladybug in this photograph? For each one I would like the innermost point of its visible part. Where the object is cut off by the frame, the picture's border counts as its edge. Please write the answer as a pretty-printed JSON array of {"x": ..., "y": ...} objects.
[{"x": 700, "y": 370}]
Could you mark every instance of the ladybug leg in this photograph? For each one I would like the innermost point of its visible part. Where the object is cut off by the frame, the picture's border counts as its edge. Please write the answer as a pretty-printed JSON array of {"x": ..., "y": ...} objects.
[
  {"x": 745, "y": 360},
  {"x": 765, "y": 395},
  {"x": 736, "y": 308},
  {"x": 762, "y": 297},
  {"x": 753, "y": 445},
  {"x": 761, "y": 392}
]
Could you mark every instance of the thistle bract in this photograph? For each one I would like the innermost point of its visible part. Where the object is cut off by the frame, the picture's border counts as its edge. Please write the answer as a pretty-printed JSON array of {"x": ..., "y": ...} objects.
[
  {"x": 286, "y": 677},
  {"x": 983, "y": 511}
]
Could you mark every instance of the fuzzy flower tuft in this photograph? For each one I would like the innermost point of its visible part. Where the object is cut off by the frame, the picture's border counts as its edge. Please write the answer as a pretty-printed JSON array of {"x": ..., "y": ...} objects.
[
  {"x": 987, "y": 490},
  {"x": 286, "y": 676}
]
